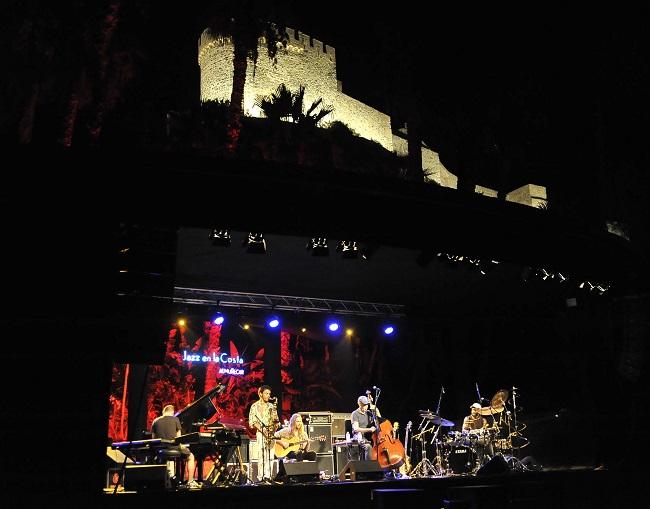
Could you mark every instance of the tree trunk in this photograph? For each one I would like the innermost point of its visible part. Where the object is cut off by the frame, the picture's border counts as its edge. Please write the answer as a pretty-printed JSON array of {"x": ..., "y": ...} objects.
[
  {"x": 108, "y": 29},
  {"x": 240, "y": 64},
  {"x": 26, "y": 125},
  {"x": 70, "y": 120}
]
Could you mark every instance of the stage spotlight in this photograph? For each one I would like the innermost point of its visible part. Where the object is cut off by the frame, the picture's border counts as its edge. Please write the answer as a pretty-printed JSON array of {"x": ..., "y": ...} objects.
[
  {"x": 255, "y": 243},
  {"x": 318, "y": 246},
  {"x": 181, "y": 322},
  {"x": 218, "y": 319},
  {"x": 368, "y": 250},
  {"x": 221, "y": 237},
  {"x": 389, "y": 330},
  {"x": 333, "y": 326},
  {"x": 348, "y": 249},
  {"x": 303, "y": 330},
  {"x": 273, "y": 322},
  {"x": 349, "y": 332},
  {"x": 246, "y": 326}
]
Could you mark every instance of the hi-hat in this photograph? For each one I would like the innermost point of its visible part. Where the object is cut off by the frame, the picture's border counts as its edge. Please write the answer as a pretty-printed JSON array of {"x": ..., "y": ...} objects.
[{"x": 426, "y": 413}]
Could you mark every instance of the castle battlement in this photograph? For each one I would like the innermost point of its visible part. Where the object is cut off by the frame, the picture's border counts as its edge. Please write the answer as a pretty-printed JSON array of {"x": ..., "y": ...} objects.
[
  {"x": 297, "y": 40},
  {"x": 308, "y": 43}
]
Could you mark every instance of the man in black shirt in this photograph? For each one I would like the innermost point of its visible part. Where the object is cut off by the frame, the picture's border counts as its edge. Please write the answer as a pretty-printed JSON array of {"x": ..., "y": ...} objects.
[
  {"x": 168, "y": 427},
  {"x": 362, "y": 426}
]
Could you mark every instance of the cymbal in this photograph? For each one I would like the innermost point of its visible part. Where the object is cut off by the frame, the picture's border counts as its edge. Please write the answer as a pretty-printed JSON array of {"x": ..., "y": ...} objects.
[
  {"x": 488, "y": 410},
  {"x": 426, "y": 413},
  {"x": 499, "y": 399},
  {"x": 439, "y": 421}
]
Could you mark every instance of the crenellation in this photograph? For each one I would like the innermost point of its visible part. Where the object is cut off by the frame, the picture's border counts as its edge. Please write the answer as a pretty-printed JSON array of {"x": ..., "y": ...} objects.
[
  {"x": 329, "y": 50},
  {"x": 318, "y": 45}
]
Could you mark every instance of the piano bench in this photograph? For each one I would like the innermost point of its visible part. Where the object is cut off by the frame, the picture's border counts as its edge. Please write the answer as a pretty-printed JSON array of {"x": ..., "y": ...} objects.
[{"x": 173, "y": 458}]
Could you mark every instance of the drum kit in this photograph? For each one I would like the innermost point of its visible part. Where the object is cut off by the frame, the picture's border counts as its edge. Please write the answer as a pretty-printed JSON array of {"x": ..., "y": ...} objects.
[{"x": 464, "y": 452}]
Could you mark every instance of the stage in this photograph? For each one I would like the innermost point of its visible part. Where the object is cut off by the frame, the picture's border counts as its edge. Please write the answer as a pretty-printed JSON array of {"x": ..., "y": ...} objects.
[{"x": 565, "y": 488}]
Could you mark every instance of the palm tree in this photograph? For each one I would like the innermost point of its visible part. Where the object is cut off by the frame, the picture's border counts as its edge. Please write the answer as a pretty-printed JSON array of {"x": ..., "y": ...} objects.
[
  {"x": 284, "y": 105},
  {"x": 244, "y": 24}
]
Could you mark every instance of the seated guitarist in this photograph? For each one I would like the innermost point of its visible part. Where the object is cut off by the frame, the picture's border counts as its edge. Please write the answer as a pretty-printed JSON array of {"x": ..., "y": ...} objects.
[{"x": 295, "y": 433}]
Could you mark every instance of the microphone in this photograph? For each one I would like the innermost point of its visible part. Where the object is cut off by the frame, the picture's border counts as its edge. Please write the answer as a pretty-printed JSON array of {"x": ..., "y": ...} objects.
[
  {"x": 274, "y": 399},
  {"x": 443, "y": 390},
  {"x": 514, "y": 388},
  {"x": 376, "y": 388}
]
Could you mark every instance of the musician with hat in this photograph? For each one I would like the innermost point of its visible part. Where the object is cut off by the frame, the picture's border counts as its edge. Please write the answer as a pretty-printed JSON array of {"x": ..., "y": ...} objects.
[
  {"x": 363, "y": 424},
  {"x": 477, "y": 427},
  {"x": 475, "y": 420}
]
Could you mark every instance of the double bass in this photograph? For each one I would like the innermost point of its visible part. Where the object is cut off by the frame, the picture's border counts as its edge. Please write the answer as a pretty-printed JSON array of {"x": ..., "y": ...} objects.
[{"x": 386, "y": 447}]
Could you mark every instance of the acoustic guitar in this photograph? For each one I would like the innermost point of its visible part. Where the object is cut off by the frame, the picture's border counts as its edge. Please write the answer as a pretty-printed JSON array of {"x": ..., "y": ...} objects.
[{"x": 294, "y": 445}]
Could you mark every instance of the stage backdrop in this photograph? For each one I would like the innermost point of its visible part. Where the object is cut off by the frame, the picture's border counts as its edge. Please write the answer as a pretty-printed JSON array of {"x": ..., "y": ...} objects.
[{"x": 306, "y": 373}]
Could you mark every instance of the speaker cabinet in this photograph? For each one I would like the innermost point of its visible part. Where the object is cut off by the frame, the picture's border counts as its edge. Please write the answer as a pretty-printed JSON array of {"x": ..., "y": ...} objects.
[
  {"x": 146, "y": 478},
  {"x": 362, "y": 470},
  {"x": 496, "y": 465},
  {"x": 318, "y": 446},
  {"x": 326, "y": 464},
  {"x": 345, "y": 453},
  {"x": 339, "y": 426},
  {"x": 302, "y": 471}
]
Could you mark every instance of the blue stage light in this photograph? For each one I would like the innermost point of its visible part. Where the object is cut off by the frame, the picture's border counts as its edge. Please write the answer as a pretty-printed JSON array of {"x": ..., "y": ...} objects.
[
  {"x": 388, "y": 330},
  {"x": 273, "y": 322},
  {"x": 333, "y": 326},
  {"x": 218, "y": 319}
]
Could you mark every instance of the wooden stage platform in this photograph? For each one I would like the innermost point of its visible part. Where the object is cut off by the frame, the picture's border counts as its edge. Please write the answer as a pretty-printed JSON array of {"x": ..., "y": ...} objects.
[{"x": 557, "y": 489}]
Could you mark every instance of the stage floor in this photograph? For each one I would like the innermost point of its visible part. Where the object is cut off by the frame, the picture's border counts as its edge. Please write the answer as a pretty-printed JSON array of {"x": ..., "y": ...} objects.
[{"x": 558, "y": 488}]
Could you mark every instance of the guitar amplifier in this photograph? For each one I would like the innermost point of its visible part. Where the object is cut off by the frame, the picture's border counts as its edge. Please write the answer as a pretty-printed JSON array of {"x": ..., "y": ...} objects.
[
  {"x": 338, "y": 423},
  {"x": 319, "y": 423}
]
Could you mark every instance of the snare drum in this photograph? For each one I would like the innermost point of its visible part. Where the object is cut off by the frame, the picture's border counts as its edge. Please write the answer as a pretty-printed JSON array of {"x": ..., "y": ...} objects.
[{"x": 462, "y": 460}]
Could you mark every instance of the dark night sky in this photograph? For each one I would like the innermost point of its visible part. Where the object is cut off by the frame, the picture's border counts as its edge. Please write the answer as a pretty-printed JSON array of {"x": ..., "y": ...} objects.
[{"x": 549, "y": 82}]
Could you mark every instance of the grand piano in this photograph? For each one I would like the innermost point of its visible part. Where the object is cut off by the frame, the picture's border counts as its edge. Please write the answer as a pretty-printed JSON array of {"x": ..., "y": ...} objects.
[{"x": 216, "y": 440}]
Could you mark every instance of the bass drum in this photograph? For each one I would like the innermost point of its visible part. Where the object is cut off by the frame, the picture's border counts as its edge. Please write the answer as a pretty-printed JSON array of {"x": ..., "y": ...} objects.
[{"x": 462, "y": 460}]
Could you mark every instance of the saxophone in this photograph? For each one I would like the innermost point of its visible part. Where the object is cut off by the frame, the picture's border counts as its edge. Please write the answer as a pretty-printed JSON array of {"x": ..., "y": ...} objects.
[{"x": 273, "y": 423}]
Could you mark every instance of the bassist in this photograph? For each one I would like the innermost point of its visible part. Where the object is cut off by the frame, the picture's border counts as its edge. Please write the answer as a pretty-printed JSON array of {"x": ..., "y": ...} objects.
[{"x": 362, "y": 424}]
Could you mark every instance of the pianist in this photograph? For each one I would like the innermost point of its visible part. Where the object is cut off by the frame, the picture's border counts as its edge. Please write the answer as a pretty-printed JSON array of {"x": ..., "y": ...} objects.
[{"x": 168, "y": 427}]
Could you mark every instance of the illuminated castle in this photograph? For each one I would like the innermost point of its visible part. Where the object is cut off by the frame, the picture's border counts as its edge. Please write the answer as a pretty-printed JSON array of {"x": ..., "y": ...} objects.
[{"x": 307, "y": 61}]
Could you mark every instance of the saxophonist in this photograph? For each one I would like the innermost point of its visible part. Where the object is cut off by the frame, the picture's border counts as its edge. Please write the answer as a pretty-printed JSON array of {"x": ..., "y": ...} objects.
[{"x": 263, "y": 417}]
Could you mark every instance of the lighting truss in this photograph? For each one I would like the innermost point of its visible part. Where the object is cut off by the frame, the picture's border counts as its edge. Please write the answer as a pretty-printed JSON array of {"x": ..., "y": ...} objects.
[{"x": 201, "y": 296}]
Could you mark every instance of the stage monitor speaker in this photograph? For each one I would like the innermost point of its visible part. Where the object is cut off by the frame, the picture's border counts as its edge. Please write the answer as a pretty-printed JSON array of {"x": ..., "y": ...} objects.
[
  {"x": 362, "y": 471},
  {"x": 146, "y": 478},
  {"x": 496, "y": 465},
  {"x": 302, "y": 471}
]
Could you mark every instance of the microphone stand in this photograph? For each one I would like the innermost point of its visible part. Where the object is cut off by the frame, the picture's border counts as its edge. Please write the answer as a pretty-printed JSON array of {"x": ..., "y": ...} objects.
[{"x": 438, "y": 470}]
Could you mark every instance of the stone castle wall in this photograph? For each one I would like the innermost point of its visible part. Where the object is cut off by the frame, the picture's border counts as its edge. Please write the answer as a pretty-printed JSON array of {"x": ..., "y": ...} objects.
[{"x": 305, "y": 61}]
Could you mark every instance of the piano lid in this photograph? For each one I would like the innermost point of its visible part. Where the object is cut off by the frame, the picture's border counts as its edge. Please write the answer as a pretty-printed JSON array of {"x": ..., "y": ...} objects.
[{"x": 199, "y": 410}]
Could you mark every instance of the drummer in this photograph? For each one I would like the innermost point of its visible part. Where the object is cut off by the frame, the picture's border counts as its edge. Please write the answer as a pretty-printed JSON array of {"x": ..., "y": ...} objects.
[{"x": 475, "y": 422}]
